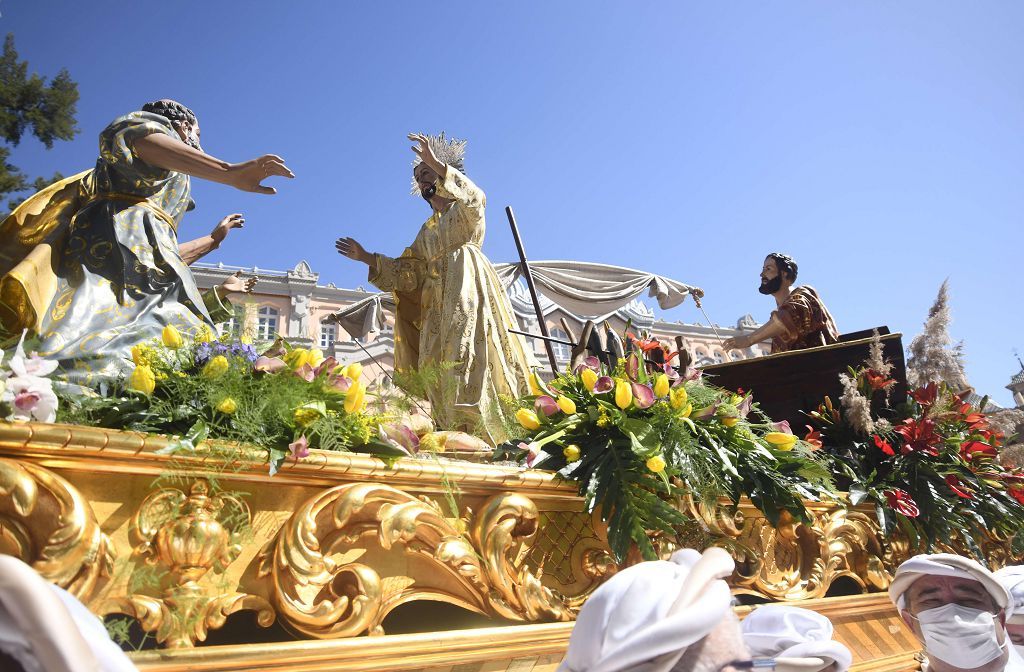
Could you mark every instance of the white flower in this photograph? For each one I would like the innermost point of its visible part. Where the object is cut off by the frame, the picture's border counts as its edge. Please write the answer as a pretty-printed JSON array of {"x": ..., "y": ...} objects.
[
  {"x": 34, "y": 366},
  {"x": 31, "y": 398}
]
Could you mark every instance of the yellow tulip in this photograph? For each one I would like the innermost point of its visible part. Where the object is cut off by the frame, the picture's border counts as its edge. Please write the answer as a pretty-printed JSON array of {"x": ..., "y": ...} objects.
[
  {"x": 171, "y": 337},
  {"x": 571, "y": 452},
  {"x": 353, "y": 371},
  {"x": 589, "y": 378},
  {"x": 656, "y": 464},
  {"x": 143, "y": 380},
  {"x": 204, "y": 334},
  {"x": 535, "y": 388},
  {"x": 297, "y": 357},
  {"x": 661, "y": 385},
  {"x": 729, "y": 422},
  {"x": 567, "y": 405},
  {"x": 138, "y": 358},
  {"x": 355, "y": 398},
  {"x": 316, "y": 355},
  {"x": 678, "y": 398},
  {"x": 305, "y": 416},
  {"x": 781, "y": 440},
  {"x": 227, "y": 406},
  {"x": 685, "y": 413},
  {"x": 623, "y": 394},
  {"x": 216, "y": 367},
  {"x": 528, "y": 419}
]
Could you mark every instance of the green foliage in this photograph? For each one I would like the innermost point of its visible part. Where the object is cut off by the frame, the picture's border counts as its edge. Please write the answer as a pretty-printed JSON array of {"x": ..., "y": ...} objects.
[
  {"x": 931, "y": 468},
  {"x": 30, "y": 103},
  {"x": 632, "y": 458},
  {"x": 233, "y": 404}
]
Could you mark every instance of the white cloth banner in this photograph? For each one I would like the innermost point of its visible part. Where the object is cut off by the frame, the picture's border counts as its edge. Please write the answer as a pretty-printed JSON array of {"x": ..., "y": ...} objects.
[
  {"x": 584, "y": 289},
  {"x": 588, "y": 290}
]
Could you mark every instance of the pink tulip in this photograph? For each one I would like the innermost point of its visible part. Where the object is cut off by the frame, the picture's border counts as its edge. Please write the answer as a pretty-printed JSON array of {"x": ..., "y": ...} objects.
[{"x": 546, "y": 405}]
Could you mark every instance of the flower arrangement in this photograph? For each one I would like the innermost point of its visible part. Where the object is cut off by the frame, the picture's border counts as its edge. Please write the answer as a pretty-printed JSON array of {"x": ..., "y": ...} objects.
[
  {"x": 930, "y": 463},
  {"x": 634, "y": 438},
  {"x": 26, "y": 391},
  {"x": 285, "y": 400}
]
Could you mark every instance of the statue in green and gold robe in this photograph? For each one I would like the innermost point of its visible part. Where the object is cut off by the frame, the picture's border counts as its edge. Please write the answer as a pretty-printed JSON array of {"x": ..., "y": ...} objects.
[{"x": 92, "y": 264}]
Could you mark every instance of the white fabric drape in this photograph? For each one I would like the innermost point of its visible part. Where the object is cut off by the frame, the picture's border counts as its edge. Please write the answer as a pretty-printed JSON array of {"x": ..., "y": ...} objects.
[
  {"x": 582, "y": 288},
  {"x": 587, "y": 289}
]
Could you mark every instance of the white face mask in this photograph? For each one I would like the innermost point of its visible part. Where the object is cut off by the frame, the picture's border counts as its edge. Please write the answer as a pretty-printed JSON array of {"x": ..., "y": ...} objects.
[
  {"x": 1020, "y": 649},
  {"x": 960, "y": 636}
]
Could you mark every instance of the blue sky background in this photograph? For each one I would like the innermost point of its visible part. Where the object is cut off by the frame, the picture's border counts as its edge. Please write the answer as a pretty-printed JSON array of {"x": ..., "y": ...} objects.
[{"x": 880, "y": 143}]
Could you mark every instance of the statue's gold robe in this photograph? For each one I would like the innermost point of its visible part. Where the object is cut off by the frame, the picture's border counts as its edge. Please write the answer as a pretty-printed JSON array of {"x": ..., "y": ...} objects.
[{"x": 451, "y": 310}]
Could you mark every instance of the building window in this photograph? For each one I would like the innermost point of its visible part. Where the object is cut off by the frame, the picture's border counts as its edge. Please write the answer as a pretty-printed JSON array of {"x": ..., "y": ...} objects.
[
  {"x": 562, "y": 352},
  {"x": 266, "y": 324},
  {"x": 328, "y": 335},
  {"x": 234, "y": 324}
]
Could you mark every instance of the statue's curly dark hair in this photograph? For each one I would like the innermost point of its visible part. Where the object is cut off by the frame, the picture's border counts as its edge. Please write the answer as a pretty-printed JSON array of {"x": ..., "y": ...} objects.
[
  {"x": 785, "y": 263},
  {"x": 171, "y": 110}
]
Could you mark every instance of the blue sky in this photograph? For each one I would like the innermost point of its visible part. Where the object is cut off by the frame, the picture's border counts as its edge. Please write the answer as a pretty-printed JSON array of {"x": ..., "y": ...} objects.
[{"x": 879, "y": 143}]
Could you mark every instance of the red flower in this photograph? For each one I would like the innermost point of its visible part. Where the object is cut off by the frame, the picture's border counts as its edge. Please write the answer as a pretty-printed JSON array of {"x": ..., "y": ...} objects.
[
  {"x": 884, "y": 446},
  {"x": 1017, "y": 492},
  {"x": 974, "y": 419},
  {"x": 970, "y": 449},
  {"x": 877, "y": 381},
  {"x": 958, "y": 487},
  {"x": 813, "y": 437},
  {"x": 644, "y": 344},
  {"x": 926, "y": 395},
  {"x": 919, "y": 436},
  {"x": 901, "y": 502}
]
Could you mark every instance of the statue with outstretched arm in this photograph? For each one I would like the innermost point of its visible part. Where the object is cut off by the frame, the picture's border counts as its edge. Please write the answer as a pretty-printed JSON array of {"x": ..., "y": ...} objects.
[
  {"x": 92, "y": 264},
  {"x": 800, "y": 320},
  {"x": 450, "y": 305}
]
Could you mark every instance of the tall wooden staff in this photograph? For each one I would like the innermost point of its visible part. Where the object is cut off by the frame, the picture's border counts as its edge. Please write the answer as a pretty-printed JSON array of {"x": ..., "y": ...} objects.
[{"x": 533, "y": 290}]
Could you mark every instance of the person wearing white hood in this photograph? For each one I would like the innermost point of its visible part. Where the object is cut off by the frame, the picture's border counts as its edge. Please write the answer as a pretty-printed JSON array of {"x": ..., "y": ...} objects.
[
  {"x": 958, "y": 610},
  {"x": 44, "y": 628},
  {"x": 801, "y": 637},
  {"x": 1012, "y": 579},
  {"x": 668, "y": 616}
]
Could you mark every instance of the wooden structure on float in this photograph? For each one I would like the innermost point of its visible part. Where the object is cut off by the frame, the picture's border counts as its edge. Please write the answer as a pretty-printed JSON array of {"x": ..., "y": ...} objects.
[{"x": 787, "y": 384}]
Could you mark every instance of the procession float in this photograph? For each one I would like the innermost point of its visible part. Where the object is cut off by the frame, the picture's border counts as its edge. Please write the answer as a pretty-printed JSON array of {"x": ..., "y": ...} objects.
[{"x": 231, "y": 503}]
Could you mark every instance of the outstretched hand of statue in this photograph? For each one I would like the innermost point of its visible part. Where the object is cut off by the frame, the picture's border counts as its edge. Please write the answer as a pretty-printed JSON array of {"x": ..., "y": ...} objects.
[
  {"x": 236, "y": 283},
  {"x": 248, "y": 175},
  {"x": 736, "y": 343},
  {"x": 348, "y": 247},
  {"x": 220, "y": 232},
  {"x": 422, "y": 150}
]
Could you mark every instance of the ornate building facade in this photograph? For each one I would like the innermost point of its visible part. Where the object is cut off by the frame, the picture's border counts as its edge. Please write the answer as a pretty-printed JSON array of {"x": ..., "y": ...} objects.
[{"x": 295, "y": 305}]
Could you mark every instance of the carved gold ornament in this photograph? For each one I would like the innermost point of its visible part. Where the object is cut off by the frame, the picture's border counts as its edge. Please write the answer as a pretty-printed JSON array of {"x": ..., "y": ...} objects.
[
  {"x": 45, "y": 521},
  {"x": 353, "y": 553},
  {"x": 187, "y": 536}
]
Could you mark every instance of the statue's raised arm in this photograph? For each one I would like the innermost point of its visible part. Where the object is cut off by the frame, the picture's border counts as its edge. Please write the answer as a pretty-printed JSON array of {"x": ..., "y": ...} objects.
[{"x": 93, "y": 266}]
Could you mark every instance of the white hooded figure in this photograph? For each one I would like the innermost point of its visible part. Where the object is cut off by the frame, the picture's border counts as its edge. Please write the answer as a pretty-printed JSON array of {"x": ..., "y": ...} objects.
[
  {"x": 1012, "y": 579},
  {"x": 660, "y": 616},
  {"x": 957, "y": 609},
  {"x": 44, "y": 628},
  {"x": 799, "y": 639}
]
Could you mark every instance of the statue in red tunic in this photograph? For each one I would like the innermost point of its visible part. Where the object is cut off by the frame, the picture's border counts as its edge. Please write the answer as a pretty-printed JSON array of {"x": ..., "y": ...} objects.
[{"x": 801, "y": 319}]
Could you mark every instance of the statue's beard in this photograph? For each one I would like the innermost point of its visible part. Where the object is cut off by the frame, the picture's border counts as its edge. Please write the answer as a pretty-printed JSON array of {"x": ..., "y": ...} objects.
[
  {"x": 194, "y": 144},
  {"x": 428, "y": 193},
  {"x": 771, "y": 286}
]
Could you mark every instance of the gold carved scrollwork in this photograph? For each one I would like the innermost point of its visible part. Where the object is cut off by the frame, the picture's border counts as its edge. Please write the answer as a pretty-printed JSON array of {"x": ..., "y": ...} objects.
[
  {"x": 408, "y": 550},
  {"x": 187, "y": 535},
  {"x": 796, "y": 561},
  {"x": 45, "y": 521}
]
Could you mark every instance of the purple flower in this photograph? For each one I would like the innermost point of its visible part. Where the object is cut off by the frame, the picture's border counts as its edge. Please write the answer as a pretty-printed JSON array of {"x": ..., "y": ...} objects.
[
  {"x": 604, "y": 384},
  {"x": 643, "y": 396},
  {"x": 546, "y": 405}
]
